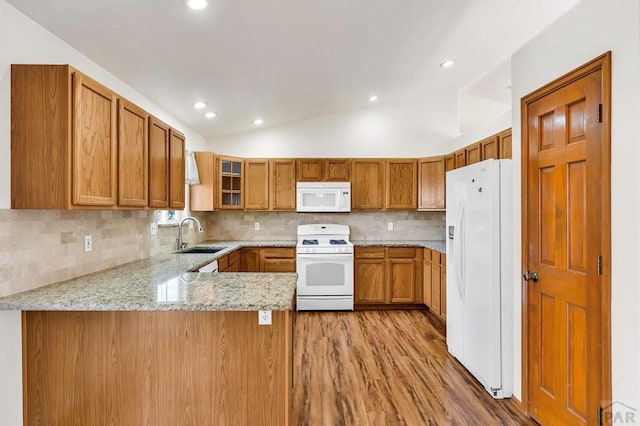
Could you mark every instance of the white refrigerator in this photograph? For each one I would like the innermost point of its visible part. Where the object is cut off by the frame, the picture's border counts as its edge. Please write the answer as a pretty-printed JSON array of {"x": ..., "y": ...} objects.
[{"x": 479, "y": 272}]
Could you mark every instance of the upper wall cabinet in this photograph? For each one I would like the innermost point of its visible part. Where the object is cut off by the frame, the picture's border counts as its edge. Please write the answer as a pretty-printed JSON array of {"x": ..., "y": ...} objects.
[
  {"x": 256, "y": 184},
  {"x": 166, "y": 166},
  {"x": 368, "y": 184},
  {"x": 282, "y": 184},
  {"x": 63, "y": 140},
  {"x": 230, "y": 182},
  {"x": 431, "y": 183},
  {"x": 402, "y": 184},
  {"x": 75, "y": 144},
  {"x": 490, "y": 148},
  {"x": 504, "y": 139},
  {"x": 473, "y": 153},
  {"x": 133, "y": 151},
  {"x": 203, "y": 197},
  {"x": 323, "y": 169}
]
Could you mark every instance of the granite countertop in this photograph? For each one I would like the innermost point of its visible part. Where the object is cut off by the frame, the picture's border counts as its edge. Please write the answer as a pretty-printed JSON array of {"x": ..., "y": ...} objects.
[
  {"x": 437, "y": 245},
  {"x": 164, "y": 282}
]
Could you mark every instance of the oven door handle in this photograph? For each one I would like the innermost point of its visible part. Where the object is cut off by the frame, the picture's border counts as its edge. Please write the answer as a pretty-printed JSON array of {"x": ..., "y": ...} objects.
[{"x": 326, "y": 256}]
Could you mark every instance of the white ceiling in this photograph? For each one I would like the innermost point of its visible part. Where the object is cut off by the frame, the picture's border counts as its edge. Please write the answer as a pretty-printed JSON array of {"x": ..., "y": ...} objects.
[{"x": 288, "y": 60}]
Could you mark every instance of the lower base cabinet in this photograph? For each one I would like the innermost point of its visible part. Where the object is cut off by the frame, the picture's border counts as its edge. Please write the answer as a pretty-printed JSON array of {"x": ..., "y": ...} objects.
[
  {"x": 387, "y": 276},
  {"x": 435, "y": 282},
  {"x": 268, "y": 259}
]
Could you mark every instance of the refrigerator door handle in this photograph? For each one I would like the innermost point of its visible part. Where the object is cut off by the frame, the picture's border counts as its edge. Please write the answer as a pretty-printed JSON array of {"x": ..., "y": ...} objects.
[{"x": 458, "y": 248}]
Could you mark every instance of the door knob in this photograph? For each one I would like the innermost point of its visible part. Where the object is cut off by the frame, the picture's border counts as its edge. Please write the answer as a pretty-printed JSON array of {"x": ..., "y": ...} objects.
[{"x": 533, "y": 276}]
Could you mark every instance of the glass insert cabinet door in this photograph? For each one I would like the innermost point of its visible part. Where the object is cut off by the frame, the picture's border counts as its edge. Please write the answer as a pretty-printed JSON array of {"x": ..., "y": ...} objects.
[{"x": 231, "y": 183}]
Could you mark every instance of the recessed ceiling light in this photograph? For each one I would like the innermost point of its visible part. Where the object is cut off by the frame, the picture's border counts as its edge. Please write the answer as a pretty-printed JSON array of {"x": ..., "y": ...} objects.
[
  {"x": 210, "y": 114},
  {"x": 258, "y": 122},
  {"x": 373, "y": 98},
  {"x": 199, "y": 105},
  {"x": 197, "y": 4},
  {"x": 447, "y": 63}
]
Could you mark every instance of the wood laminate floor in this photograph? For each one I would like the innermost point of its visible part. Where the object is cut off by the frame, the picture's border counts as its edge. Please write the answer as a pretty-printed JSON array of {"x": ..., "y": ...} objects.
[{"x": 385, "y": 368}]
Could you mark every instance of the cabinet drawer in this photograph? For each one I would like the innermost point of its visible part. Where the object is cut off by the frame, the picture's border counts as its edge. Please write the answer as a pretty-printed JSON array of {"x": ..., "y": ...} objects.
[
  {"x": 402, "y": 252},
  {"x": 370, "y": 252},
  {"x": 279, "y": 265},
  {"x": 279, "y": 252}
]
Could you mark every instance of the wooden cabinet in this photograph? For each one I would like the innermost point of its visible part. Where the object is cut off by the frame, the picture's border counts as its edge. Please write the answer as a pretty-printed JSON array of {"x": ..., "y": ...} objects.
[
  {"x": 405, "y": 265},
  {"x": 401, "y": 184},
  {"x": 203, "y": 196},
  {"x": 229, "y": 263},
  {"x": 368, "y": 184},
  {"x": 75, "y": 144},
  {"x": 278, "y": 259},
  {"x": 387, "y": 276},
  {"x": 158, "y": 163},
  {"x": 310, "y": 170},
  {"x": 370, "y": 275},
  {"x": 256, "y": 184},
  {"x": 249, "y": 260},
  {"x": 133, "y": 155},
  {"x": 490, "y": 148},
  {"x": 176, "y": 170},
  {"x": 449, "y": 162},
  {"x": 435, "y": 282},
  {"x": 337, "y": 170},
  {"x": 473, "y": 153},
  {"x": 460, "y": 158},
  {"x": 327, "y": 169},
  {"x": 230, "y": 180},
  {"x": 282, "y": 185},
  {"x": 431, "y": 183},
  {"x": 504, "y": 141}
]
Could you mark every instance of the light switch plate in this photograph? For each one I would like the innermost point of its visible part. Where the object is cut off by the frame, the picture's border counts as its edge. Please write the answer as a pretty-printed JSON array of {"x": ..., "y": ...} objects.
[{"x": 88, "y": 243}]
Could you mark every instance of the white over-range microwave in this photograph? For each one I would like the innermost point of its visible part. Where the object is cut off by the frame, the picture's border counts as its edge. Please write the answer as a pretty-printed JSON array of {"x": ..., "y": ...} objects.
[{"x": 323, "y": 196}]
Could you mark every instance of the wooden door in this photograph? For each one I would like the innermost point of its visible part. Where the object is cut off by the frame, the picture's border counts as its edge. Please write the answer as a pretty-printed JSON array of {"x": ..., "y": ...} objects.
[
  {"x": 436, "y": 284},
  {"x": 283, "y": 185},
  {"x": 402, "y": 184},
  {"x": 460, "y": 158},
  {"x": 310, "y": 170},
  {"x": 176, "y": 169},
  {"x": 256, "y": 184},
  {"x": 158, "y": 163},
  {"x": 94, "y": 144},
  {"x": 443, "y": 286},
  {"x": 230, "y": 183},
  {"x": 402, "y": 281},
  {"x": 368, "y": 184},
  {"x": 449, "y": 162},
  {"x": 474, "y": 153},
  {"x": 370, "y": 281},
  {"x": 564, "y": 234},
  {"x": 426, "y": 276},
  {"x": 250, "y": 260},
  {"x": 337, "y": 169},
  {"x": 431, "y": 184},
  {"x": 504, "y": 138},
  {"x": 490, "y": 148},
  {"x": 202, "y": 196},
  {"x": 133, "y": 148}
]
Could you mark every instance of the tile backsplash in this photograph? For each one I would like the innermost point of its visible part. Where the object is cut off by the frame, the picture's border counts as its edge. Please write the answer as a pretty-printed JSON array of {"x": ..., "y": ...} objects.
[
  {"x": 226, "y": 225},
  {"x": 40, "y": 247}
]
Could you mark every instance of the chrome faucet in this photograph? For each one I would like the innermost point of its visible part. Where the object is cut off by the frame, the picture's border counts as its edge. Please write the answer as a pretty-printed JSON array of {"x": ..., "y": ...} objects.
[{"x": 179, "y": 244}]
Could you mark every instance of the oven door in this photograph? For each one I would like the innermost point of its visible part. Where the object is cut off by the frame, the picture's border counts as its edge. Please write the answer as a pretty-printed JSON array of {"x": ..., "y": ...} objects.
[{"x": 325, "y": 274}]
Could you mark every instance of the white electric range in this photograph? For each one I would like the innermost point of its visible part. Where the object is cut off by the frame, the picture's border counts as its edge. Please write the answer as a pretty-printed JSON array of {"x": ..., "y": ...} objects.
[{"x": 324, "y": 260}]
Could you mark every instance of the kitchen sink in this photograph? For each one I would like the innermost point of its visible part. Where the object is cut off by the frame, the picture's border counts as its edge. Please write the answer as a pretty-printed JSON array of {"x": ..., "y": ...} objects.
[{"x": 205, "y": 250}]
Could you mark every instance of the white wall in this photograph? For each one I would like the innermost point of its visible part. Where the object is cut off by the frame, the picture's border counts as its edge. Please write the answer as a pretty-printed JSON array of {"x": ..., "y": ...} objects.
[
  {"x": 590, "y": 29},
  {"x": 396, "y": 128},
  {"x": 24, "y": 41}
]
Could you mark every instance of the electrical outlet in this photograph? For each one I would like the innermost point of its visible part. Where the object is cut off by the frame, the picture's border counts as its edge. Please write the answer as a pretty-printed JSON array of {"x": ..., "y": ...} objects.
[
  {"x": 154, "y": 228},
  {"x": 256, "y": 226},
  {"x": 264, "y": 317},
  {"x": 390, "y": 226},
  {"x": 88, "y": 243}
]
